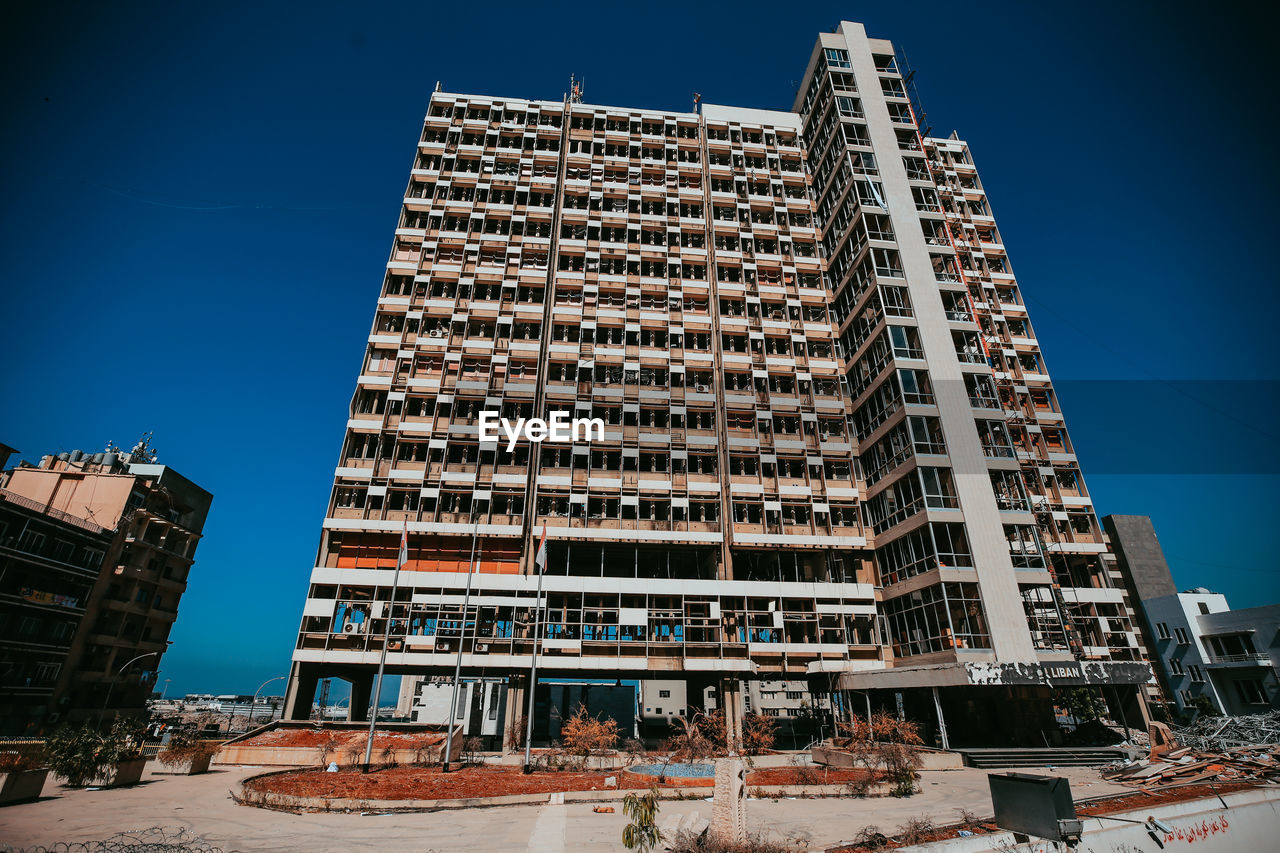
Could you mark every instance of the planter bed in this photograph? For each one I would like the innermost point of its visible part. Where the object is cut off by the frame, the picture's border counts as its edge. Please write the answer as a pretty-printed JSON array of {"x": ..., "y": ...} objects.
[
  {"x": 416, "y": 783},
  {"x": 18, "y": 786}
]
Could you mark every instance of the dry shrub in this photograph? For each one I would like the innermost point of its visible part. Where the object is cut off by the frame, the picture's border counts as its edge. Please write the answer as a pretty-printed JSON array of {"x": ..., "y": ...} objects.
[
  {"x": 806, "y": 773},
  {"x": 185, "y": 748},
  {"x": 584, "y": 735},
  {"x": 471, "y": 749},
  {"x": 886, "y": 746},
  {"x": 689, "y": 743},
  {"x": 634, "y": 749},
  {"x": 758, "y": 733},
  {"x": 917, "y": 830},
  {"x": 712, "y": 727},
  {"x": 688, "y": 842},
  {"x": 870, "y": 838}
]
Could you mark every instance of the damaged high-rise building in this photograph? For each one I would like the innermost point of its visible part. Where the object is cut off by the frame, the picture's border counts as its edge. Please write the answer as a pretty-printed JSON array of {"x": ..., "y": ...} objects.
[{"x": 832, "y": 449}]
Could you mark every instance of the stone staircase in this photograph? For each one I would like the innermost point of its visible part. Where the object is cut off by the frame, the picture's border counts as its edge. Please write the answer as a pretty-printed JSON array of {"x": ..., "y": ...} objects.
[{"x": 1085, "y": 756}]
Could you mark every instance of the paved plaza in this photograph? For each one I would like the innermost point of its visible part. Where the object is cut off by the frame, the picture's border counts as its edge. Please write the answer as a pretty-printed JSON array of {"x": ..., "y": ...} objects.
[{"x": 203, "y": 805}]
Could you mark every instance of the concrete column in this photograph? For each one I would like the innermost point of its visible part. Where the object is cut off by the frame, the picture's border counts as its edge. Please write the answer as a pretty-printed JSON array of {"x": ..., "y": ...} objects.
[
  {"x": 358, "y": 707},
  {"x": 731, "y": 702},
  {"x": 942, "y": 723},
  {"x": 513, "y": 715},
  {"x": 301, "y": 694}
]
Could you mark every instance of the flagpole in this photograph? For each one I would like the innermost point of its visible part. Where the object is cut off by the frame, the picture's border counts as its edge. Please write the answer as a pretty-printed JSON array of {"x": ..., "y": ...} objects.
[
  {"x": 462, "y": 636},
  {"x": 386, "y": 641}
]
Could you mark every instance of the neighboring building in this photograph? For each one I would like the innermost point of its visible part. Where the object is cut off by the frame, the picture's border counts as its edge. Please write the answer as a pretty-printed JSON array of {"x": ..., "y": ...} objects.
[
  {"x": 833, "y": 452},
  {"x": 49, "y": 563},
  {"x": 791, "y": 703},
  {"x": 155, "y": 517},
  {"x": 1205, "y": 648},
  {"x": 479, "y": 708},
  {"x": 663, "y": 702},
  {"x": 1201, "y": 646}
]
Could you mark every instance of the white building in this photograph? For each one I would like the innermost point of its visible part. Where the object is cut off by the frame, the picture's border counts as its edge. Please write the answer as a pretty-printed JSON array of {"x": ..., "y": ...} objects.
[{"x": 1204, "y": 648}]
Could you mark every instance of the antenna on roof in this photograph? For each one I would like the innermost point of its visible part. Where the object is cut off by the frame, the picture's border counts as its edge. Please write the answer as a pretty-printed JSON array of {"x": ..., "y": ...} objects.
[
  {"x": 575, "y": 89},
  {"x": 909, "y": 81}
]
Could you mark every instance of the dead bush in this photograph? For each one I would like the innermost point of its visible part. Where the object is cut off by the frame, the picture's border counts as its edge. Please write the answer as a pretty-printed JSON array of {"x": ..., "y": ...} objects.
[
  {"x": 584, "y": 735},
  {"x": 916, "y": 830},
  {"x": 688, "y": 842},
  {"x": 886, "y": 746},
  {"x": 870, "y": 837},
  {"x": 758, "y": 733},
  {"x": 471, "y": 749},
  {"x": 690, "y": 743},
  {"x": 806, "y": 773}
]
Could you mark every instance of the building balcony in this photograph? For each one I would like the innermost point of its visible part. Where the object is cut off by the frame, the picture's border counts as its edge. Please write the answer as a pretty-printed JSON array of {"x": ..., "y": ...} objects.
[{"x": 1249, "y": 659}]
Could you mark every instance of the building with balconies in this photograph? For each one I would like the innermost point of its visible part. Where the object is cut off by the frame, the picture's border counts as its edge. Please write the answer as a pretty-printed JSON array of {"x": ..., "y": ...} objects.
[
  {"x": 1201, "y": 650},
  {"x": 49, "y": 563},
  {"x": 152, "y": 517},
  {"x": 832, "y": 450}
]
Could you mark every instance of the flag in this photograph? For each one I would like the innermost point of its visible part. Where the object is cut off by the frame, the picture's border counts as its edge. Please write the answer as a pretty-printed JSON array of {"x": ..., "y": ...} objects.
[
  {"x": 540, "y": 560},
  {"x": 404, "y": 547}
]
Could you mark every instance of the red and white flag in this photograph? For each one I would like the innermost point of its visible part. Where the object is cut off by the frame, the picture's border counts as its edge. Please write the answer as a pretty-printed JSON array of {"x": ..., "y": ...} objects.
[
  {"x": 404, "y": 547},
  {"x": 540, "y": 560}
]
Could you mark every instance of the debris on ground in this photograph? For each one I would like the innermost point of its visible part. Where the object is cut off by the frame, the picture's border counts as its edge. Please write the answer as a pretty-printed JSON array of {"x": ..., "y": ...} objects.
[
  {"x": 1221, "y": 733},
  {"x": 1184, "y": 766},
  {"x": 1092, "y": 733}
]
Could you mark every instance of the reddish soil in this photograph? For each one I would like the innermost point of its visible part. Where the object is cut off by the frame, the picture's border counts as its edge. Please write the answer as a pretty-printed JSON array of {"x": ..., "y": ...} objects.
[
  {"x": 308, "y": 737},
  {"x": 428, "y": 783},
  {"x": 1103, "y": 806},
  {"x": 803, "y": 776},
  {"x": 1157, "y": 796}
]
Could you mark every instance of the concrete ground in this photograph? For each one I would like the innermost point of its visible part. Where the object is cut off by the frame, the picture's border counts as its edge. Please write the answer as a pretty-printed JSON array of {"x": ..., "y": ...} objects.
[{"x": 202, "y": 804}]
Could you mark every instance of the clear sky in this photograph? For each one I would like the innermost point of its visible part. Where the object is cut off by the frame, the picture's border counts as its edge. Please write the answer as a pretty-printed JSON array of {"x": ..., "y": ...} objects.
[{"x": 198, "y": 202}]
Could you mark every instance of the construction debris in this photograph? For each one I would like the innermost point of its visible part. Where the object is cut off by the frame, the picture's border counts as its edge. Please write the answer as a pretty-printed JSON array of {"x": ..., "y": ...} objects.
[
  {"x": 1221, "y": 733},
  {"x": 1185, "y": 766}
]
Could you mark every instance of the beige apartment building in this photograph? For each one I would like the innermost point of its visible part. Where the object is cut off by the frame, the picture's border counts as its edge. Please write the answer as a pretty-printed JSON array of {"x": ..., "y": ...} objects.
[
  {"x": 150, "y": 518},
  {"x": 832, "y": 451}
]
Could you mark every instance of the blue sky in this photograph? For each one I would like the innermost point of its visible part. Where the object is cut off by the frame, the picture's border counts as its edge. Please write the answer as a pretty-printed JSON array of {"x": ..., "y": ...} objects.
[{"x": 199, "y": 200}]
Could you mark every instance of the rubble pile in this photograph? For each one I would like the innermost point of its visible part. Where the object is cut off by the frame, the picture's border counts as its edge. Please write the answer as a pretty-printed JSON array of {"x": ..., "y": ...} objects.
[
  {"x": 1185, "y": 766},
  {"x": 1222, "y": 733}
]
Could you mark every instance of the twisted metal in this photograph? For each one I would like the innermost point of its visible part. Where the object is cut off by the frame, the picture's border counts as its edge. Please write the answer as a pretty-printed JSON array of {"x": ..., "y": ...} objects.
[{"x": 155, "y": 839}]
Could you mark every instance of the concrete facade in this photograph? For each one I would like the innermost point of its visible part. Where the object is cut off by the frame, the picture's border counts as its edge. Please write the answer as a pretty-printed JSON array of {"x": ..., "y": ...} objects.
[
  {"x": 1205, "y": 649},
  {"x": 831, "y": 449},
  {"x": 49, "y": 563},
  {"x": 154, "y": 516}
]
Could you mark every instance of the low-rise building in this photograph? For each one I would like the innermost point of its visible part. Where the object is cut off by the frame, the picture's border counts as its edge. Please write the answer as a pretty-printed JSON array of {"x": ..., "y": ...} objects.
[
  {"x": 1206, "y": 649},
  {"x": 1201, "y": 649}
]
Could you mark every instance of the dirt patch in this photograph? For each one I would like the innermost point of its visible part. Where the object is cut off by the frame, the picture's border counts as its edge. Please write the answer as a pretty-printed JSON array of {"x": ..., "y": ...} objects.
[
  {"x": 310, "y": 738},
  {"x": 1156, "y": 797},
  {"x": 1102, "y": 806},
  {"x": 429, "y": 783},
  {"x": 804, "y": 776}
]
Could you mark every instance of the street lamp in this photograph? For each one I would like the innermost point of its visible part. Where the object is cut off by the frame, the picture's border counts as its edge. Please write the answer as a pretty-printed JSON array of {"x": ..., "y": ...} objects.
[
  {"x": 254, "y": 707},
  {"x": 112, "y": 681}
]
